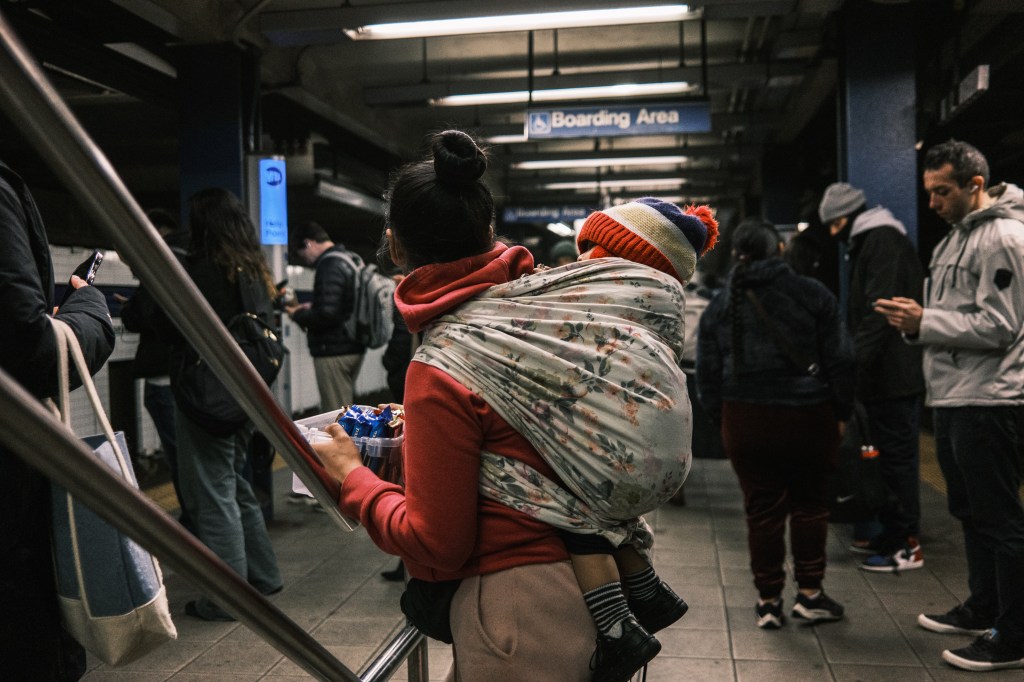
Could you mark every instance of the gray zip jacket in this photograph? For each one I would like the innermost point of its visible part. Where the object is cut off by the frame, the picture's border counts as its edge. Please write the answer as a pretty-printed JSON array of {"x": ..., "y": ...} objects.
[{"x": 973, "y": 323}]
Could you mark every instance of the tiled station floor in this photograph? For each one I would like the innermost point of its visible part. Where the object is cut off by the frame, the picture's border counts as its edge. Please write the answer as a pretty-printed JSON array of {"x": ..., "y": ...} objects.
[{"x": 333, "y": 589}]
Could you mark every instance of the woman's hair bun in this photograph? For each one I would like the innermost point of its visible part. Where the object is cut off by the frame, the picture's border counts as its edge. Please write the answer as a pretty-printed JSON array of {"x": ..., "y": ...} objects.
[{"x": 457, "y": 158}]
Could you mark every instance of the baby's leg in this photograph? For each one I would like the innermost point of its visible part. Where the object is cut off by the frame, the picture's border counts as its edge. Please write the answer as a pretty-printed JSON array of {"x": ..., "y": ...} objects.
[
  {"x": 623, "y": 646},
  {"x": 651, "y": 600},
  {"x": 594, "y": 570}
]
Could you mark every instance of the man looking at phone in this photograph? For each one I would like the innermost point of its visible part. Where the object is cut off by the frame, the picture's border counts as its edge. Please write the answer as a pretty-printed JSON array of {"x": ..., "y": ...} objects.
[
  {"x": 336, "y": 356},
  {"x": 33, "y": 645},
  {"x": 972, "y": 329}
]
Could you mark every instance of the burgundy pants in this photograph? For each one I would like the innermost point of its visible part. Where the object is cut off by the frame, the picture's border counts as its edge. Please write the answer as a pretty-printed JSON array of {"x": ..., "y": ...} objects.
[{"x": 783, "y": 456}]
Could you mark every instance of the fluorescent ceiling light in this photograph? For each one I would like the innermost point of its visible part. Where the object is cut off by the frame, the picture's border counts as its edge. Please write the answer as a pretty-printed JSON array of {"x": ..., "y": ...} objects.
[
  {"x": 506, "y": 139},
  {"x": 547, "y": 164},
  {"x": 520, "y": 22},
  {"x": 564, "y": 94},
  {"x": 610, "y": 184},
  {"x": 675, "y": 199},
  {"x": 348, "y": 196},
  {"x": 144, "y": 56},
  {"x": 561, "y": 229}
]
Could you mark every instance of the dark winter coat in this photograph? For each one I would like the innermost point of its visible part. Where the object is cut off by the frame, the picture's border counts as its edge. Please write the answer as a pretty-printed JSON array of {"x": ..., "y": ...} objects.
[
  {"x": 333, "y": 303},
  {"x": 805, "y": 312},
  {"x": 883, "y": 264},
  {"x": 30, "y": 638},
  {"x": 28, "y": 350},
  {"x": 139, "y": 314}
]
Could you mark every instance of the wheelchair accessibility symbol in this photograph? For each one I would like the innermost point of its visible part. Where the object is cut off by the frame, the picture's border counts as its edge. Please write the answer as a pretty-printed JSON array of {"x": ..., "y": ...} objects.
[{"x": 540, "y": 123}]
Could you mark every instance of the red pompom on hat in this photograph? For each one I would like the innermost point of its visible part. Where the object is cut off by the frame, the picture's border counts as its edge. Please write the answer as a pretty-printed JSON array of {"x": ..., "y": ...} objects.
[{"x": 652, "y": 232}]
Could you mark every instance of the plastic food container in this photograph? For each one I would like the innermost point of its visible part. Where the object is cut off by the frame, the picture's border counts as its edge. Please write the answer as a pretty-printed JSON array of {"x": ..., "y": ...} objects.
[{"x": 383, "y": 456}]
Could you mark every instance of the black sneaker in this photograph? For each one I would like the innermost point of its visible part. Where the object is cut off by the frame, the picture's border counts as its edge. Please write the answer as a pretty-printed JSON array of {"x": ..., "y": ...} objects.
[
  {"x": 959, "y": 620},
  {"x": 660, "y": 611},
  {"x": 986, "y": 653},
  {"x": 617, "y": 659},
  {"x": 395, "y": 575},
  {"x": 822, "y": 609},
  {"x": 769, "y": 615}
]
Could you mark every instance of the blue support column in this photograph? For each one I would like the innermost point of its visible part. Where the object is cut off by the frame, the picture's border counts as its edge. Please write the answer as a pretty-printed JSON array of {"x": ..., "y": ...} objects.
[
  {"x": 781, "y": 181},
  {"x": 218, "y": 88},
  {"x": 877, "y": 127},
  {"x": 215, "y": 117}
]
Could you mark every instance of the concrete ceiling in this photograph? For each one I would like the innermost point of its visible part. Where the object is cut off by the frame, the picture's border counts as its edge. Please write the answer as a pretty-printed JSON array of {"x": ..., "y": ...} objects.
[{"x": 351, "y": 110}]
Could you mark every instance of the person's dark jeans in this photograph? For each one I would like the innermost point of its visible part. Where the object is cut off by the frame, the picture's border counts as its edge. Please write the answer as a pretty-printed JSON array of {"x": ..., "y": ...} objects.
[
  {"x": 977, "y": 450},
  {"x": 894, "y": 426},
  {"x": 159, "y": 402}
]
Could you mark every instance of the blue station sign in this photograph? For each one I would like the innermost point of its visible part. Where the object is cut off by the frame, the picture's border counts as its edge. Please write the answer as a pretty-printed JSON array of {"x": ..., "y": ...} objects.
[
  {"x": 273, "y": 202},
  {"x": 618, "y": 121},
  {"x": 545, "y": 214}
]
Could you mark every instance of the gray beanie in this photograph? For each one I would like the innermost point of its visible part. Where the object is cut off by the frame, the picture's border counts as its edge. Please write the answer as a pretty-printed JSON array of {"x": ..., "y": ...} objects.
[
  {"x": 840, "y": 199},
  {"x": 565, "y": 248}
]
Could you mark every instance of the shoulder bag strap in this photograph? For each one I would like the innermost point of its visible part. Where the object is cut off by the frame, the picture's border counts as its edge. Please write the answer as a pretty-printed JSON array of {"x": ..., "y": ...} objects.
[
  {"x": 67, "y": 344},
  {"x": 787, "y": 347}
]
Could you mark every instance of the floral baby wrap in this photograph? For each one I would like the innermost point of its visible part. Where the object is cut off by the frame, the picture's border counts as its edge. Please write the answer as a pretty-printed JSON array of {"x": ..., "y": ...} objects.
[{"x": 582, "y": 360}]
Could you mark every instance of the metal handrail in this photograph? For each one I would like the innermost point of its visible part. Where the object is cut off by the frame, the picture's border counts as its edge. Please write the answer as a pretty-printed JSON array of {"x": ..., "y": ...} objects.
[
  {"x": 40, "y": 439},
  {"x": 36, "y": 436},
  {"x": 408, "y": 643},
  {"x": 37, "y": 109}
]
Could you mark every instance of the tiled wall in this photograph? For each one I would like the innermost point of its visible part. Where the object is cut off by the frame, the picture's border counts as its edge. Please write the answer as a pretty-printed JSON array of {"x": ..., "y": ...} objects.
[{"x": 114, "y": 273}]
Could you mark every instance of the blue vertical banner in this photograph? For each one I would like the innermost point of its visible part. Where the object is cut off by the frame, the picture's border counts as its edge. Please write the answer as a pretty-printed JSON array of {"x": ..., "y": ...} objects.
[{"x": 273, "y": 202}]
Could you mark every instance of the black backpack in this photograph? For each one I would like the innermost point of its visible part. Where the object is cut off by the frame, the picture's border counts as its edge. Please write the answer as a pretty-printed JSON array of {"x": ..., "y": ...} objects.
[{"x": 199, "y": 393}]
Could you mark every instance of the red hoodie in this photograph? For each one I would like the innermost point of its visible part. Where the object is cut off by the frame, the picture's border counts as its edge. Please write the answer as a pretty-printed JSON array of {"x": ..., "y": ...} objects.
[{"x": 439, "y": 524}]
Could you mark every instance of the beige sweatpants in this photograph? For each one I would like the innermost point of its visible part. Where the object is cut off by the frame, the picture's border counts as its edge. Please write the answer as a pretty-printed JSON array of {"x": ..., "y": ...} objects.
[
  {"x": 528, "y": 623},
  {"x": 336, "y": 379}
]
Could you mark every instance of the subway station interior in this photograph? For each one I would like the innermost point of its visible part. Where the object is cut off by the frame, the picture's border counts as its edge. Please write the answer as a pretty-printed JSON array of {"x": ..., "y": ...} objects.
[{"x": 761, "y": 105}]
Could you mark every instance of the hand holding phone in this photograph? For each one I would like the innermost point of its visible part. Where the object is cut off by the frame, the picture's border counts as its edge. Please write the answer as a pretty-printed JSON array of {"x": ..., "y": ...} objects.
[{"x": 85, "y": 271}]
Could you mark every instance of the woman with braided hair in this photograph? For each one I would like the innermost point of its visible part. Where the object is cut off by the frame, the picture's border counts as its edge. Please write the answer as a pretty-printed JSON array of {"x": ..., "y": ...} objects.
[{"x": 775, "y": 370}]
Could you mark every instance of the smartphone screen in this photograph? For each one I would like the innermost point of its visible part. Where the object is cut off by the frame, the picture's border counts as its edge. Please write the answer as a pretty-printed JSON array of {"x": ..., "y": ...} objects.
[{"x": 86, "y": 270}]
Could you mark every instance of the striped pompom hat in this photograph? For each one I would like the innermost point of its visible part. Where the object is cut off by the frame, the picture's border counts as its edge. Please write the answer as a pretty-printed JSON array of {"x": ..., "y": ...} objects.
[{"x": 653, "y": 232}]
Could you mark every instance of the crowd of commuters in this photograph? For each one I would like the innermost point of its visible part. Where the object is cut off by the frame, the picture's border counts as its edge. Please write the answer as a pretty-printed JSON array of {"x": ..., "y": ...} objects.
[{"x": 778, "y": 369}]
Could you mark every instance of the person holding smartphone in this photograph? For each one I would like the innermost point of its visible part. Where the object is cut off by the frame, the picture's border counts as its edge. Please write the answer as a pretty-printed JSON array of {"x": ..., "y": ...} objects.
[{"x": 32, "y": 641}]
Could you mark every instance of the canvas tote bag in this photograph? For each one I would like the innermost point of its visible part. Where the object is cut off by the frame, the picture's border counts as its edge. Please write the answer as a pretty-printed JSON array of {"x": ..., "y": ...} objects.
[{"x": 111, "y": 590}]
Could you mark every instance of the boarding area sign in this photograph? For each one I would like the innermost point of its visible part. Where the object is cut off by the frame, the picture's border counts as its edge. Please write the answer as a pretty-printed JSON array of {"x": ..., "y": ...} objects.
[
  {"x": 545, "y": 214},
  {"x": 618, "y": 120}
]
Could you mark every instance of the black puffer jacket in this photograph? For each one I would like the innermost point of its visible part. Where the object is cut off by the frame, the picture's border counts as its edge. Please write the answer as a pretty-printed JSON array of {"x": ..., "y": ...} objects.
[
  {"x": 806, "y": 313},
  {"x": 333, "y": 302}
]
